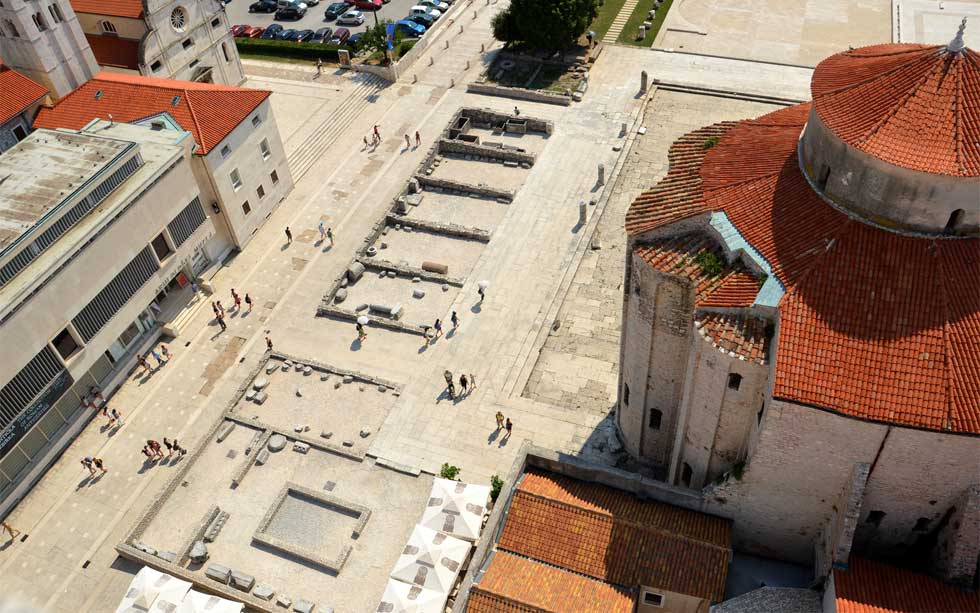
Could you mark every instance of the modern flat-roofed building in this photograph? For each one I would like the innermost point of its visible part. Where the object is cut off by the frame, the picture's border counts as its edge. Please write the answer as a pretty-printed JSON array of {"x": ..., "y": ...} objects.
[{"x": 101, "y": 233}]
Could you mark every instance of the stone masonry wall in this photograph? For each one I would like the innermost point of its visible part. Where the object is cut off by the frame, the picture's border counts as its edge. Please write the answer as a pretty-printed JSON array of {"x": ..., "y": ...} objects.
[
  {"x": 834, "y": 545},
  {"x": 955, "y": 556},
  {"x": 459, "y": 147}
]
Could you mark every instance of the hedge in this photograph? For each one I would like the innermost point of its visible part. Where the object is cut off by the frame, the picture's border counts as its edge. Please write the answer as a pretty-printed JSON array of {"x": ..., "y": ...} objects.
[{"x": 286, "y": 48}]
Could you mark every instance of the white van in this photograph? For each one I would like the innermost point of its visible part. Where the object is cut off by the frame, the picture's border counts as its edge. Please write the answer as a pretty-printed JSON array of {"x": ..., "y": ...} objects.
[
  {"x": 424, "y": 10},
  {"x": 296, "y": 4}
]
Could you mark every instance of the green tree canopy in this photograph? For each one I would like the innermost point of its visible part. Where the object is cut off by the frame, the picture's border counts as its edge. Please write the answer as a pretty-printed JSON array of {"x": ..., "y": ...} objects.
[{"x": 544, "y": 24}]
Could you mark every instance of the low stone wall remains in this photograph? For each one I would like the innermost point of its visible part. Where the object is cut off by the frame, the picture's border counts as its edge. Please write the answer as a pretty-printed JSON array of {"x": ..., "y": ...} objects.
[
  {"x": 518, "y": 93},
  {"x": 481, "y": 190},
  {"x": 500, "y": 154}
]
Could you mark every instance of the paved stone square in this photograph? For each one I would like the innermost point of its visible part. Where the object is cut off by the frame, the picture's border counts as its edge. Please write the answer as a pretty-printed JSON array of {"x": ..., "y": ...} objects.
[{"x": 481, "y": 213}]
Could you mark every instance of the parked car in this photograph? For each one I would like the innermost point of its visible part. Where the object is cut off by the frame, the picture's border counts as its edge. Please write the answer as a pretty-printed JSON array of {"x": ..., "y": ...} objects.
[
  {"x": 290, "y": 12},
  {"x": 263, "y": 6},
  {"x": 340, "y": 36},
  {"x": 322, "y": 35},
  {"x": 335, "y": 10},
  {"x": 351, "y": 18},
  {"x": 236, "y": 31},
  {"x": 253, "y": 32},
  {"x": 272, "y": 32},
  {"x": 436, "y": 4},
  {"x": 425, "y": 10},
  {"x": 289, "y": 34},
  {"x": 311, "y": 2},
  {"x": 304, "y": 36},
  {"x": 409, "y": 28},
  {"x": 422, "y": 19},
  {"x": 354, "y": 42},
  {"x": 367, "y": 5}
]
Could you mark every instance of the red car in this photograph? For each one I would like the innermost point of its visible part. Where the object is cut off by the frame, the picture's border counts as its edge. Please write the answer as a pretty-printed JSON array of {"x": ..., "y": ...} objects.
[
  {"x": 367, "y": 5},
  {"x": 236, "y": 31},
  {"x": 252, "y": 32}
]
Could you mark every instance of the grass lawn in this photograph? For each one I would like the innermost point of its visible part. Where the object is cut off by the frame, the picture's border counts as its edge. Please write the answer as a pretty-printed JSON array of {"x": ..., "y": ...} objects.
[
  {"x": 628, "y": 35},
  {"x": 607, "y": 13}
]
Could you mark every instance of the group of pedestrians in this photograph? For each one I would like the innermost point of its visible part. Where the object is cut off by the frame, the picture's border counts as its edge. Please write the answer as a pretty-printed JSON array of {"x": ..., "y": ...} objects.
[
  {"x": 418, "y": 140},
  {"x": 161, "y": 355},
  {"x": 153, "y": 451},
  {"x": 326, "y": 233},
  {"x": 236, "y": 298},
  {"x": 467, "y": 385},
  {"x": 94, "y": 465},
  {"x": 505, "y": 424},
  {"x": 376, "y": 139}
]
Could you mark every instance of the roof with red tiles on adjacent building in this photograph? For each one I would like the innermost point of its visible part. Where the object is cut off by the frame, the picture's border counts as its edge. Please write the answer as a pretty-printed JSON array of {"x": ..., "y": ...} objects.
[
  {"x": 210, "y": 112},
  {"x": 512, "y": 584},
  {"x": 914, "y": 106},
  {"x": 613, "y": 536},
  {"x": 873, "y": 587},
  {"x": 744, "y": 336},
  {"x": 115, "y": 51},
  {"x": 683, "y": 256},
  {"x": 874, "y": 324},
  {"x": 19, "y": 93},
  {"x": 110, "y": 8}
]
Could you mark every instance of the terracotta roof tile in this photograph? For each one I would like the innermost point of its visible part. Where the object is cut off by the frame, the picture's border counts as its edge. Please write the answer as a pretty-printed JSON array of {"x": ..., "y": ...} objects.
[
  {"x": 914, "y": 106},
  {"x": 743, "y": 336},
  {"x": 874, "y": 324},
  {"x": 110, "y": 8},
  {"x": 210, "y": 112},
  {"x": 677, "y": 255},
  {"x": 513, "y": 584},
  {"x": 613, "y": 536},
  {"x": 115, "y": 51},
  {"x": 872, "y": 587},
  {"x": 18, "y": 93}
]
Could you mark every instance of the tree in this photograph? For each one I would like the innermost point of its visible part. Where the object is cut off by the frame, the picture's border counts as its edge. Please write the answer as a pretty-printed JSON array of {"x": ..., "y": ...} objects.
[
  {"x": 552, "y": 25},
  {"x": 376, "y": 37}
]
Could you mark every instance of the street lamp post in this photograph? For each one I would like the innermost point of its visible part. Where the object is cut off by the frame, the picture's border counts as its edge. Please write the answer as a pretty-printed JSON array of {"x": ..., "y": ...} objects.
[{"x": 385, "y": 45}]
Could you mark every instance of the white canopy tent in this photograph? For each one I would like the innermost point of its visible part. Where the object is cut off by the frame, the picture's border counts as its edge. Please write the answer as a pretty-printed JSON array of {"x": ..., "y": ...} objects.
[
  {"x": 404, "y": 598},
  {"x": 431, "y": 559},
  {"x": 147, "y": 587},
  {"x": 196, "y": 602},
  {"x": 456, "y": 508}
]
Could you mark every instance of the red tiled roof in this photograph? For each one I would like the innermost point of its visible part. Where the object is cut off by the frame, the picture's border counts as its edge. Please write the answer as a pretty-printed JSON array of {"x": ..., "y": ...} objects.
[
  {"x": 733, "y": 287},
  {"x": 744, "y": 336},
  {"x": 914, "y": 106},
  {"x": 19, "y": 92},
  {"x": 115, "y": 51},
  {"x": 874, "y": 324},
  {"x": 871, "y": 587},
  {"x": 612, "y": 536},
  {"x": 210, "y": 112},
  {"x": 110, "y": 8},
  {"x": 513, "y": 584}
]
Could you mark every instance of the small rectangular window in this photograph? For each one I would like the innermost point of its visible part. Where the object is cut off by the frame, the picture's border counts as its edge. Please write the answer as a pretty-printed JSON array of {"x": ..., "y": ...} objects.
[
  {"x": 65, "y": 344},
  {"x": 875, "y": 517},
  {"x": 264, "y": 147},
  {"x": 236, "y": 179},
  {"x": 215, "y": 22},
  {"x": 160, "y": 247},
  {"x": 653, "y": 599},
  {"x": 275, "y": 177},
  {"x": 734, "y": 381},
  {"x": 225, "y": 151},
  {"x": 656, "y": 416},
  {"x": 187, "y": 43},
  {"x": 261, "y": 192},
  {"x": 155, "y": 66},
  {"x": 687, "y": 473},
  {"x": 256, "y": 121},
  {"x": 626, "y": 394},
  {"x": 246, "y": 208},
  {"x": 194, "y": 63}
]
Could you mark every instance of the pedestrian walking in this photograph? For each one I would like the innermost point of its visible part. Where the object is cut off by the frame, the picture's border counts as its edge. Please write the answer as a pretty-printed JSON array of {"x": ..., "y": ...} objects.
[
  {"x": 221, "y": 322},
  {"x": 455, "y": 320},
  {"x": 377, "y": 135},
  {"x": 178, "y": 449},
  {"x": 408, "y": 141},
  {"x": 234, "y": 297},
  {"x": 448, "y": 375},
  {"x": 221, "y": 309},
  {"x": 509, "y": 425},
  {"x": 97, "y": 463},
  {"x": 323, "y": 231},
  {"x": 418, "y": 138},
  {"x": 148, "y": 453},
  {"x": 452, "y": 391},
  {"x": 500, "y": 420},
  {"x": 117, "y": 417},
  {"x": 214, "y": 307},
  {"x": 155, "y": 448},
  {"x": 482, "y": 292},
  {"x": 87, "y": 463},
  {"x": 268, "y": 343},
  {"x": 112, "y": 420},
  {"x": 517, "y": 112},
  {"x": 330, "y": 235},
  {"x": 166, "y": 352},
  {"x": 248, "y": 301},
  {"x": 463, "y": 383},
  {"x": 319, "y": 67},
  {"x": 169, "y": 446},
  {"x": 438, "y": 328},
  {"x": 365, "y": 142},
  {"x": 289, "y": 236},
  {"x": 472, "y": 382},
  {"x": 156, "y": 356},
  {"x": 238, "y": 303},
  {"x": 142, "y": 362},
  {"x": 361, "y": 334},
  {"x": 5, "y": 527}
]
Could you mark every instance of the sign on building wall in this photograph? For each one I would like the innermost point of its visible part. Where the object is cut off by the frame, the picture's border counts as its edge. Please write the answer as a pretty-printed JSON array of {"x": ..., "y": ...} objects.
[{"x": 34, "y": 412}]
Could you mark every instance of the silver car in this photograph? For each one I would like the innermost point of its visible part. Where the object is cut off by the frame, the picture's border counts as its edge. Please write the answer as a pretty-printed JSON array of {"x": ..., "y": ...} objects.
[
  {"x": 436, "y": 4},
  {"x": 351, "y": 18}
]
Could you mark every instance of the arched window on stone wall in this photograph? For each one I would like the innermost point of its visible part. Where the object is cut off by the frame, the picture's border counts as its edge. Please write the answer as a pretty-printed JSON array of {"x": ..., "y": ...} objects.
[
  {"x": 687, "y": 473},
  {"x": 11, "y": 28},
  {"x": 39, "y": 22},
  {"x": 224, "y": 50},
  {"x": 734, "y": 381},
  {"x": 656, "y": 416},
  {"x": 108, "y": 27},
  {"x": 954, "y": 221}
]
